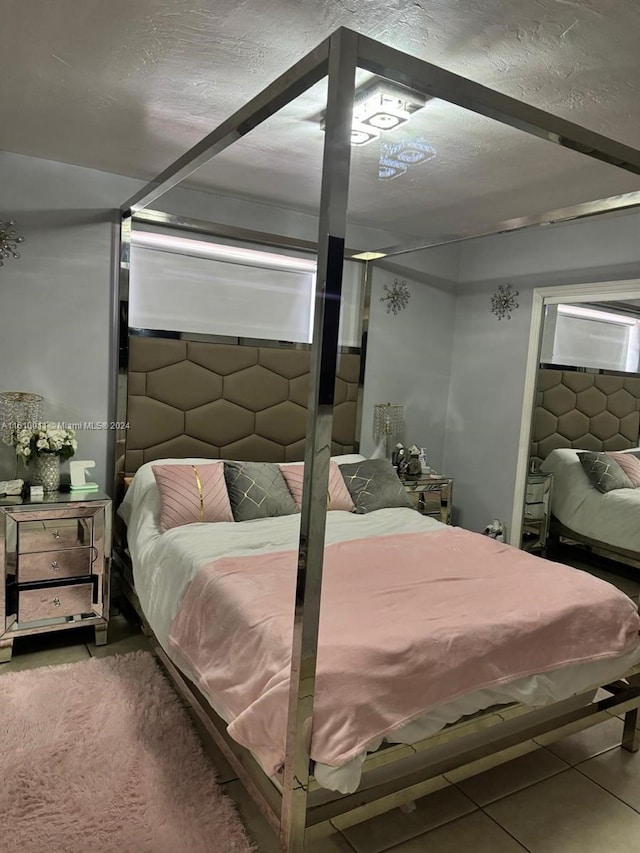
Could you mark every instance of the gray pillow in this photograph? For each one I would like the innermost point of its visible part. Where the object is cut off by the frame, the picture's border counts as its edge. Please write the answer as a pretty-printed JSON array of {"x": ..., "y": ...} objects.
[
  {"x": 374, "y": 484},
  {"x": 257, "y": 490},
  {"x": 603, "y": 472}
]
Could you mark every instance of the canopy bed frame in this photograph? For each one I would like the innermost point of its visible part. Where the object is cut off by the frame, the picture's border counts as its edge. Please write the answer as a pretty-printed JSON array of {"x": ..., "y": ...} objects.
[{"x": 293, "y": 804}]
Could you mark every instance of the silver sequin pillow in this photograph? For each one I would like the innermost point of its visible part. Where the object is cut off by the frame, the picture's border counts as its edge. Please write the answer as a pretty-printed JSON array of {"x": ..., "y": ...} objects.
[
  {"x": 373, "y": 484},
  {"x": 257, "y": 490},
  {"x": 603, "y": 472}
]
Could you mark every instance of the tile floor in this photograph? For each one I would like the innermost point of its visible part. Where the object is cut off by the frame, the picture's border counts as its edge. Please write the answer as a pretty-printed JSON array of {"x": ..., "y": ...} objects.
[{"x": 580, "y": 794}]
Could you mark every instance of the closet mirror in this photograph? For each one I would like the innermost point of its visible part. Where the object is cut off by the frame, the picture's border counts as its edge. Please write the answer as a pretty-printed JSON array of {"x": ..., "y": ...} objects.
[{"x": 581, "y": 499}]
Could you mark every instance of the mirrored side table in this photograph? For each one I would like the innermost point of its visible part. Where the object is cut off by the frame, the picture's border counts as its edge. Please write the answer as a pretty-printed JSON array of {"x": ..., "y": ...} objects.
[
  {"x": 431, "y": 495},
  {"x": 55, "y": 556},
  {"x": 537, "y": 513}
]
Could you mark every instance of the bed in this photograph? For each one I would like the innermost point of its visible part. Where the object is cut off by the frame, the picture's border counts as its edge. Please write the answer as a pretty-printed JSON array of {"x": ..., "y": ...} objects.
[
  {"x": 576, "y": 412},
  {"x": 466, "y": 739},
  {"x": 166, "y": 566},
  {"x": 605, "y": 523}
]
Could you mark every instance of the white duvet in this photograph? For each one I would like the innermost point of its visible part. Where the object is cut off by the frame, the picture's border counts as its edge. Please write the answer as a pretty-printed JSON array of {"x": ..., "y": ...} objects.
[
  {"x": 612, "y": 518},
  {"x": 165, "y": 563}
]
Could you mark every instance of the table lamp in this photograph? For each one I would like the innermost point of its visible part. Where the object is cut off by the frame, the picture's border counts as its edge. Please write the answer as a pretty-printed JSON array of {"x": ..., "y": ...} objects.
[{"x": 387, "y": 423}]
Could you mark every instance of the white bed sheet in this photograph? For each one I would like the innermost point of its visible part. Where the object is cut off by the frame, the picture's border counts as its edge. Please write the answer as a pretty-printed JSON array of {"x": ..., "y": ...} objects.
[
  {"x": 164, "y": 564},
  {"x": 613, "y": 517}
]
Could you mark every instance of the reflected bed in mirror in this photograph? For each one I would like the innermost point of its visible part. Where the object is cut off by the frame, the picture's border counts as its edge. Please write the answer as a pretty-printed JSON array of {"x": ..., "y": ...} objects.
[
  {"x": 581, "y": 411},
  {"x": 605, "y": 522}
]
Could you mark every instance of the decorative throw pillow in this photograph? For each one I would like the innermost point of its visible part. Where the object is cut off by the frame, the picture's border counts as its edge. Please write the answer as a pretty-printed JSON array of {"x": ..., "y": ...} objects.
[
  {"x": 373, "y": 484},
  {"x": 191, "y": 493},
  {"x": 633, "y": 451},
  {"x": 338, "y": 496},
  {"x": 630, "y": 464},
  {"x": 603, "y": 472},
  {"x": 257, "y": 490}
]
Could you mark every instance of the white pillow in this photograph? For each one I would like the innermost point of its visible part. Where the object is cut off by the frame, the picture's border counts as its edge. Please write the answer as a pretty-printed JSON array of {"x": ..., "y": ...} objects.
[{"x": 347, "y": 458}]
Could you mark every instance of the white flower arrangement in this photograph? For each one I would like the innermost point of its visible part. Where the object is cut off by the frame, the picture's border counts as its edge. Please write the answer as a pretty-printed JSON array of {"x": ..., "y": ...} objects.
[{"x": 48, "y": 439}]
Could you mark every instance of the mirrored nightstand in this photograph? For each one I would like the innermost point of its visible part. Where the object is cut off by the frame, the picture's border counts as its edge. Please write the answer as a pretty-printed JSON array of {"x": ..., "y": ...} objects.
[
  {"x": 55, "y": 556},
  {"x": 537, "y": 512},
  {"x": 431, "y": 495}
]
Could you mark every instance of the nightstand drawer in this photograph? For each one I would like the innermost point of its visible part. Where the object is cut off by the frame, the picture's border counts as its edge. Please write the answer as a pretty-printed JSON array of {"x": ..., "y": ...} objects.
[
  {"x": 54, "y": 602},
  {"x": 535, "y": 512},
  {"x": 52, "y": 534},
  {"x": 535, "y": 492},
  {"x": 49, "y": 565}
]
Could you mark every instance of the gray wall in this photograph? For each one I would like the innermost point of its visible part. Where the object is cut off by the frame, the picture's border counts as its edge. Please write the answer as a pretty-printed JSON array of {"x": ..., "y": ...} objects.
[
  {"x": 55, "y": 301},
  {"x": 489, "y": 356},
  {"x": 409, "y": 357}
]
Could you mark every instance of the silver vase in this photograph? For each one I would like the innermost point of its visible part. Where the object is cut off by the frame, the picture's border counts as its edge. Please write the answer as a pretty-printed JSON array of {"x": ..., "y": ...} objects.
[{"x": 45, "y": 472}]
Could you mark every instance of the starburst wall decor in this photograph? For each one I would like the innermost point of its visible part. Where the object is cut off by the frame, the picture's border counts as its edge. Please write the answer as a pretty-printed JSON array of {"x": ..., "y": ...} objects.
[
  {"x": 8, "y": 241},
  {"x": 397, "y": 296},
  {"x": 503, "y": 301}
]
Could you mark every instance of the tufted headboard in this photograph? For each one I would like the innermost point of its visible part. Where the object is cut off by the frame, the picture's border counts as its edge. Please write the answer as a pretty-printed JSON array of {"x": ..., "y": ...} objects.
[
  {"x": 192, "y": 398},
  {"x": 591, "y": 411}
]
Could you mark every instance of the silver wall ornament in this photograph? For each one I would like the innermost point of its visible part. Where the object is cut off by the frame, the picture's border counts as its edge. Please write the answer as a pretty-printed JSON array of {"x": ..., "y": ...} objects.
[
  {"x": 397, "y": 296},
  {"x": 503, "y": 301},
  {"x": 9, "y": 241}
]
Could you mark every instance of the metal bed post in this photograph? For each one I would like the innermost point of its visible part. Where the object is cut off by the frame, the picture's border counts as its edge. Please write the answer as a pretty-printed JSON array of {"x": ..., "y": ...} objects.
[
  {"x": 331, "y": 241},
  {"x": 631, "y": 732},
  {"x": 366, "y": 276},
  {"x": 120, "y": 338}
]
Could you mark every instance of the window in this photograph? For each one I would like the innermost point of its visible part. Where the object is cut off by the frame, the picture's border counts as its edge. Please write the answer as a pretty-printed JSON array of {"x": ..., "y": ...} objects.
[{"x": 188, "y": 285}]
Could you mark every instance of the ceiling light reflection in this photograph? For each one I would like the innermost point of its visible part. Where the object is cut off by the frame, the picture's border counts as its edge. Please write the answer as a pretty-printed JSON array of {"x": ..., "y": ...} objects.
[{"x": 396, "y": 158}]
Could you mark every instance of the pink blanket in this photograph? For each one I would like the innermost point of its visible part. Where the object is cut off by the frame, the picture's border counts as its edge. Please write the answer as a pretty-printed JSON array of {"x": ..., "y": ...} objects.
[{"x": 408, "y": 622}]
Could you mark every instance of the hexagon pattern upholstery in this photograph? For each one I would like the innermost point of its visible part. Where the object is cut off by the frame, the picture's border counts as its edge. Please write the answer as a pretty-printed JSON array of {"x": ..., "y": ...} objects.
[
  {"x": 590, "y": 411},
  {"x": 227, "y": 401}
]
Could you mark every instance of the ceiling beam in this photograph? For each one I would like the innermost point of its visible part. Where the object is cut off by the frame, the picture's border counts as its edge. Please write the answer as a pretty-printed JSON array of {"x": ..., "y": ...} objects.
[
  {"x": 616, "y": 203},
  {"x": 439, "y": 83},
  {"x": 296, "y": 80}
]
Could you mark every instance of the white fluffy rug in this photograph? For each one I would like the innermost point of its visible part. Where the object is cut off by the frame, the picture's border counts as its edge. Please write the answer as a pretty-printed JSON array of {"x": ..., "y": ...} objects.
[{"x": 101, "y": 756}]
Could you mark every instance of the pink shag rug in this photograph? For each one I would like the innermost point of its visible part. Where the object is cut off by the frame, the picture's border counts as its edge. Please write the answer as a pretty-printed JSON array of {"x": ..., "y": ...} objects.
[{"x": 100, "y": 755}]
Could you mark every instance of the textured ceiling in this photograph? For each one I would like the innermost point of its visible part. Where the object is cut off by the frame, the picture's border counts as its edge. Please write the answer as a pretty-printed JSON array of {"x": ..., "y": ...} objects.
[{"x": 127, "y": 87}]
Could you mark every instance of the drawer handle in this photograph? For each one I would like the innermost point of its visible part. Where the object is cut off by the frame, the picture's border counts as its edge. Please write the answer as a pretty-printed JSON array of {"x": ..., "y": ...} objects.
[
  {"x": 55, "y": 534},
  {"x": 56, "y": 602},
  {"x": 55, "y": 566}
]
